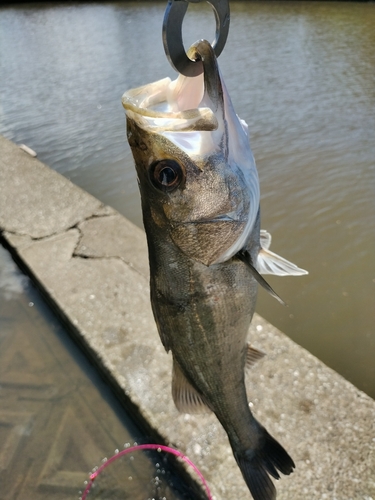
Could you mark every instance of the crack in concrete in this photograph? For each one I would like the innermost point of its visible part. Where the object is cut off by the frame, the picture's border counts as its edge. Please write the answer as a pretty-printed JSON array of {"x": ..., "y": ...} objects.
[
  {"x": 77, "y": 255},
  {"x": 79, "y": 238},
  {"x": 98, "y": 216},
  {"x": 56, "y": 233}
]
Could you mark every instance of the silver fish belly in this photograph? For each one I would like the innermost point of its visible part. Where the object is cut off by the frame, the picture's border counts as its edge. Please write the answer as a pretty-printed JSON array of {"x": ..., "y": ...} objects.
[{"x": 200, "y": 201}]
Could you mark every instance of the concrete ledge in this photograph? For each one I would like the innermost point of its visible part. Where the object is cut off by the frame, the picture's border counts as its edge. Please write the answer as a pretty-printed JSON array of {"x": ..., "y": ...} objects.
[{"x": 91, "y": 264}]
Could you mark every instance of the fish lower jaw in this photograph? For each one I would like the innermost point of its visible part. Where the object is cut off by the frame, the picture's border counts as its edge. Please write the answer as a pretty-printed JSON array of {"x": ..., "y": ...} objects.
[{"x": 226, "y": 217}]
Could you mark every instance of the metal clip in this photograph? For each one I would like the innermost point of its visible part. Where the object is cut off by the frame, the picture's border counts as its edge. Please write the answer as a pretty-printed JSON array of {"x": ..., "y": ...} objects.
[{"x": 172, "y": 33}]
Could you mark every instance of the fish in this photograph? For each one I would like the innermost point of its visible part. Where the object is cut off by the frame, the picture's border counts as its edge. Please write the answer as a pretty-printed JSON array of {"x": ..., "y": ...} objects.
[{"x": 200, "y": 201}]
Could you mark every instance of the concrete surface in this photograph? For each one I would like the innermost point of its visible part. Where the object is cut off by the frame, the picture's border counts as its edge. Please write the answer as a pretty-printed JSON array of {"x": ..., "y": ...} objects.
[{"x": 91, "y": 264}]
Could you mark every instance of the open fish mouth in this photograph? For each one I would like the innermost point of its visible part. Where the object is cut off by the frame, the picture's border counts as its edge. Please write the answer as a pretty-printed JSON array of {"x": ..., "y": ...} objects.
[{"x": 160, "y": 106}]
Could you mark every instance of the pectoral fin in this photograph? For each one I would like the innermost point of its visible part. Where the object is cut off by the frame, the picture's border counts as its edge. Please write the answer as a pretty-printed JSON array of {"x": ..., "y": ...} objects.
[
  {"x": 185, "y": 397},
  {"x": 265, "y": 239},
  {"x": 246, "y": 257},
  {"x": 271, "y": 263}
]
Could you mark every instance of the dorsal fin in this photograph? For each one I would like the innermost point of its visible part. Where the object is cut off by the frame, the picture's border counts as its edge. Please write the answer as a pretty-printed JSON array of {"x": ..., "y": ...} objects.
[{"x": 185, "y": 397}]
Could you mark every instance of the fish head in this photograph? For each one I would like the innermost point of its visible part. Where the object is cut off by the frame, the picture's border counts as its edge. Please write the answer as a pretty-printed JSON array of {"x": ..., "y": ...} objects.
[{"x": 196, "y": 172}]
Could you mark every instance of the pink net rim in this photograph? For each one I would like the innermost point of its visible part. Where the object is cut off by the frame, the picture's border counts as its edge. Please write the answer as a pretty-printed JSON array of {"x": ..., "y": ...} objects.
[{"x": 157, "y": 447}]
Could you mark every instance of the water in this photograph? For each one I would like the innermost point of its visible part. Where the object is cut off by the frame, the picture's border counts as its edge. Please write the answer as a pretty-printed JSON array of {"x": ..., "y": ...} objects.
[
  {"x": 301, "y": 74},
  {"x": 58, "y": 420}
]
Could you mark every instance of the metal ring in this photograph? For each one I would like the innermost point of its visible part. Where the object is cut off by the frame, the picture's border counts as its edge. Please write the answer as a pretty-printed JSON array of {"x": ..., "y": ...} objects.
[{"x": 172, "y": 34}]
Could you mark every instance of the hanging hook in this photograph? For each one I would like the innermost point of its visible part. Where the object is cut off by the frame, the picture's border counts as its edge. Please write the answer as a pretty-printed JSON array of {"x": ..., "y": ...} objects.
[{"x": 172, "y": 33}]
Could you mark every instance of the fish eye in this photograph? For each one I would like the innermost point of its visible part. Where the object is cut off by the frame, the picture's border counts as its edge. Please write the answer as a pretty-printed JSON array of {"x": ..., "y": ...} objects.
[{"x": 166, "y": 175}]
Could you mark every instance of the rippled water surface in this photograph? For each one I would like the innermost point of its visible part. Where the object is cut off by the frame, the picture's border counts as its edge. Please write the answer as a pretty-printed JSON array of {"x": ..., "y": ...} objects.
[
  {"x": 301, "y": 74},
  {"x": 58, "y": 420}
]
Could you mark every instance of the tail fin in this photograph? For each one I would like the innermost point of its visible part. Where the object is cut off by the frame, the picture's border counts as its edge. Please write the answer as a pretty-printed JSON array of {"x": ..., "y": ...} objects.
[{"x": 256, "y": 464}]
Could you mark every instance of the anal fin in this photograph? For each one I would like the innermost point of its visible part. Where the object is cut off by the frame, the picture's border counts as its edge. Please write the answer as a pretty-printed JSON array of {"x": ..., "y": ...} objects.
[{"x": 185, "y": 397}]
